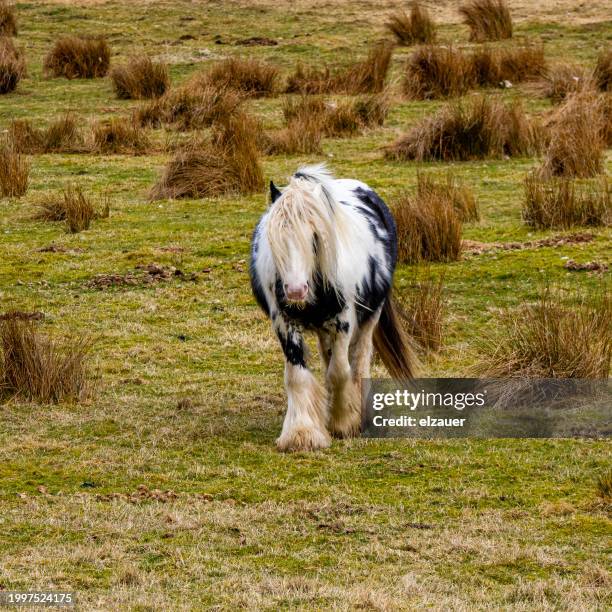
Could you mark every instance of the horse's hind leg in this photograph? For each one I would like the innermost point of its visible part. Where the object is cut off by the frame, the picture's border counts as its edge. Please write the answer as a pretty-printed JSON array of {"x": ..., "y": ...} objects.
[
  {"x": 361, "y": 351},
  {"x": 345, "y": 414},
  {"x": 305, "y": 424}
]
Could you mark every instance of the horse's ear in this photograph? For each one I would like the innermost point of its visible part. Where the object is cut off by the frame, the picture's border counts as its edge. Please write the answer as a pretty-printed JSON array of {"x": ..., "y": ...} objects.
[{"x": 274, "y": 192}]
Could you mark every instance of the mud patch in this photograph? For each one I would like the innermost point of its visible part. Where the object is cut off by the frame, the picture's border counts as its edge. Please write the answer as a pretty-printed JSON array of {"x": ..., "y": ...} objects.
[
  {"x": 474, "y": 247},
  {"x": 57, "y": 248},
  {"x": 257, "y": 41},
  {"x": 141, "y": 276},
  {"x": 22, "y": 316},
  {"x": 590, "y": 266}
]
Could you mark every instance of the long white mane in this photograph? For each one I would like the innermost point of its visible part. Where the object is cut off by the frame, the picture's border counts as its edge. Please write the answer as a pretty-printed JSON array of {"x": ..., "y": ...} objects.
[{"x": 305, "y": 209}]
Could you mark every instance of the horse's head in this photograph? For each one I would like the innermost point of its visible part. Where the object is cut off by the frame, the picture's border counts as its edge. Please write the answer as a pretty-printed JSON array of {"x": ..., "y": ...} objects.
[{"x": 301, "y": 236}]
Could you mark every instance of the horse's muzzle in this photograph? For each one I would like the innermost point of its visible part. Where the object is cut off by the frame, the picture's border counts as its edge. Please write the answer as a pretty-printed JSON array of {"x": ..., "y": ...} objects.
[{"x": 296, "y": 293}]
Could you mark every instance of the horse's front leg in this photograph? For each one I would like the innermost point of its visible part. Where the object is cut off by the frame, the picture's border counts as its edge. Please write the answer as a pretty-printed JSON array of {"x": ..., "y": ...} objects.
[
  {"x": 305, "y": 424},
  {"x": 345, "y": 414}
]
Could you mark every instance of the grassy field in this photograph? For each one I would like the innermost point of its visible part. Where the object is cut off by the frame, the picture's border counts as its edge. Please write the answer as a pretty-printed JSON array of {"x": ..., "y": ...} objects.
[{"x": 189, "y": 393}]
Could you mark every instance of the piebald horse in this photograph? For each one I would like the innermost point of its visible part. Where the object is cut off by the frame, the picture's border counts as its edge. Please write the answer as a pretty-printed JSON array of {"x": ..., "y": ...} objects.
[{"x": 323, "y": 257}]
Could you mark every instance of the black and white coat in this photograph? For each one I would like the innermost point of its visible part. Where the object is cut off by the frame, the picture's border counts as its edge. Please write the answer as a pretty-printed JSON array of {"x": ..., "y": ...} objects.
[{"x": 323, "y": 258}]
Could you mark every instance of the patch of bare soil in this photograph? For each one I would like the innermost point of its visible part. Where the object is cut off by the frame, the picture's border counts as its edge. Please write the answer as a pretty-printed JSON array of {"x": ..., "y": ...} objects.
[
  {"x": 474, "y": 247},
  {"x": 58, "y": 248},
  {"x": 22, "y": 316},
  {"x": 142, "y": 275},
  {"x": 257, "y": 41},
  {"x": 589, "y": 266}
]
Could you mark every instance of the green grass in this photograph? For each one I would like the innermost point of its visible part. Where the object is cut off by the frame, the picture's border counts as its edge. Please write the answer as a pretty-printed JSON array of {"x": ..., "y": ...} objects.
[{"x": 367, "y": 524}]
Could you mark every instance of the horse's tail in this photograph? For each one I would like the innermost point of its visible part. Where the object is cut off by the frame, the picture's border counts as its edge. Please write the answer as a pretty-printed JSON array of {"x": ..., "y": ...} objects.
[{"x": 393, "y": 343}]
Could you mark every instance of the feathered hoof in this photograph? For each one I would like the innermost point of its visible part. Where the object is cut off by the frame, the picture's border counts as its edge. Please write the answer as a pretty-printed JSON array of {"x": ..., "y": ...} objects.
[
  {"x": 303, "y": 439},
  {"x": 345, "y": 427}
]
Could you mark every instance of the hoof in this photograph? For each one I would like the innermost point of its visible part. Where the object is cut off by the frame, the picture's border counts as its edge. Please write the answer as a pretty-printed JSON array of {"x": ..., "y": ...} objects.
[
  {"x": 345, "y": 428},
  {"x": 303, "y": 439}
]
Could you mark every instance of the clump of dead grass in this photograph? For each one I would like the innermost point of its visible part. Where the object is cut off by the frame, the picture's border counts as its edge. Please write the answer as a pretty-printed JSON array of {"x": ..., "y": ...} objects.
[
  {"x": 561, "y": 335},
  {"x": 372, "y": 109},
  {"x": 14, "y": 172},
  {"x": 369, "y": 75},
  {"x": 140, "y": 78},
  {"x": 437, "y": 72},
  {"x": 302, "y": 135},
  {"x": 120, "y": 135},
  {"x": 12, "y": 65},
  {"x": 36, "y": 368},
  {"x": 604, "y": 486},
  {"x": 250, "y": 77},
  {"x": 564, "y": 79},
  {"x": 309, "y": 80},
  {"x": 483, "y": 128},
  {"x": 577, "y": 138},
  {"x": 229, "y": 163},
  {"x": 336, "y": 119},
  {"x": 8, "y": 19},
  {"x": 418, "y": 27},
  {"x": 428, "y": 228},
  {"x": 561, "y": 203},
  {"x": 422, "y": 308},
  {"x": 61, "y": 136},
  {"x": 195, "y": 105},
  {"x": 73, "y": 207},
  {"x": 603, "y": 70},
  {"x": 76, "y": 57},
  {"x": 451, "y": 191},
  {"x": 487, "y": 19},
  {"x": 504, "y": 66},
  {"x": 363, "y": 77}
]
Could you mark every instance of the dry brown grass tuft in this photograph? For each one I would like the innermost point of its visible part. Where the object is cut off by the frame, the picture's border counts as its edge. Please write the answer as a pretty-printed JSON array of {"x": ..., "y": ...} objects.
[
  {"x": 564, "y": 79},
  {"x": 304, "y": 129},
  {"x": 577, "y": 138},
  {"x": 36, "y": 368},
  {"x": 73, "y": 207},
  {"x": 250, "y": 77},
  {"x": 8, "y": 19},
  {"x": 558, "y": 336},
  {"x": 337, "y": 119},
  {"x": 140, "y": 78},
  {"x": 604, "y": 486},
  {"x": 492, "y": 67},
  {"x": 309, "y": 80},
  {"x": 418, "y": 27},
  {"x": 372, "y": 109},
  {"x": 193, "y": 106},
  {"x": 603, "y": 70},
  {"x": 367, "y": 76},
  {"x": 64, "y": 136},
  {"x": 120, "y": 135},
  {"x": 228, "y": 164},
  {"x": 428, "y": 228},
  {"x": 14, "y": 172},
  {"x": 301, "y": 137},
  {"x": 487, "y": 19},
  {"x": 61, "y": 136},
  {"x": 484, "y": 128},
  {"x": 451, "y": 191},
  {"x": 606, "y": 102},
  {"x": 561, "y": 203},
  {"x": 12, "y": 65},
  {"x": 437, "y": 72},
  {"x": 77, "y": 57},
  {"x": 423, "y": 311}
]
